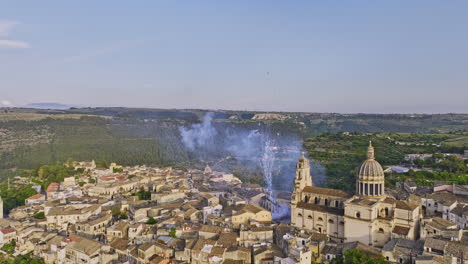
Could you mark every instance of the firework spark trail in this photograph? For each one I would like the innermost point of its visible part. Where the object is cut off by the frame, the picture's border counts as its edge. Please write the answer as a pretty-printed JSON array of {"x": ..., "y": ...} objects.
[{"x": 267, "y": 163}]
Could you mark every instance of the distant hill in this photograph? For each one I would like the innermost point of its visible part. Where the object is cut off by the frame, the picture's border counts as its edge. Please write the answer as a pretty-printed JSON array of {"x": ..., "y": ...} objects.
[
  {"x": 53, "y": 106},
  {"x": 130, "y": 136}
]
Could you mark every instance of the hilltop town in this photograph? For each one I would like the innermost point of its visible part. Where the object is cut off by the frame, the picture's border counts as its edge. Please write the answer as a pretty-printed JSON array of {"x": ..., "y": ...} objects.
[{"x": 142, "y": 214}]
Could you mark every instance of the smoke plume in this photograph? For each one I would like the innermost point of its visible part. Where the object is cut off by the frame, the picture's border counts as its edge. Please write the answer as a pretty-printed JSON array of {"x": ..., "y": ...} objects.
[
  {"x": 275, "y": 154},
  {"x": 199, "y": 135}
]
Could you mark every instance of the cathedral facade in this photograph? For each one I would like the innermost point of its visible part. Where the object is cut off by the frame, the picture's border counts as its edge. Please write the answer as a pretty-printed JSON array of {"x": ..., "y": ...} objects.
[{"x": 369, "y": 216}]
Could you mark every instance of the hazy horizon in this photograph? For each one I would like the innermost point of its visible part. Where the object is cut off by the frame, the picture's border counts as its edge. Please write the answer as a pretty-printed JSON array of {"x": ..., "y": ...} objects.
[{"x": 310, "y": 56}]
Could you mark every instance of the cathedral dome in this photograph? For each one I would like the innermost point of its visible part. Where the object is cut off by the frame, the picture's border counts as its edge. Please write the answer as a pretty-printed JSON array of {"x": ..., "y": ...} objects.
[
  {"x": 370, "y": 176},
  {"x": 370, "y": 169}
]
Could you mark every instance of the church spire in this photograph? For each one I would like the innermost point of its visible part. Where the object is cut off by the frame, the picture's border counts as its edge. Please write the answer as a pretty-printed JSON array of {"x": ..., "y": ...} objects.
[{"x": 370, "y": 151}]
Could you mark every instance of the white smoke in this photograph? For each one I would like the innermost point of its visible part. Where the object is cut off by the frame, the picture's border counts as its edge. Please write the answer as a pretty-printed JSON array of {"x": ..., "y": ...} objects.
[
  {"x": 199, "y": 135},
  {"x": 273, "y": 153}
]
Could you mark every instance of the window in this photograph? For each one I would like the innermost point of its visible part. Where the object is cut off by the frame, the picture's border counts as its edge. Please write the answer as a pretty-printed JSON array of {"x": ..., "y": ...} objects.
[
  {"x": 381, "y": 230},
  {"x": 331, "y": 221},
  {"x": 320, "y": 219},
  {"x": 326, "y": 202},
  {"x": 299, "y": 214},
  {"x": 337, "y": 204},
  {"x": 320, "y": 230},
  {"x": 316, "y": 200},
  {"x": 310, "y": 217},
  {"x": 358, "y": 215}
]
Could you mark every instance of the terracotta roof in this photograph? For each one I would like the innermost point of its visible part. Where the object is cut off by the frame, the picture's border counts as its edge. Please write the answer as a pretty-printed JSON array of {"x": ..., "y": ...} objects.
[
  {"x": 53, "y": 187},
  {"x": 401, "y": 230},
  {"x": 217, "y": 251},
  {"x": 211, "y": 229},
  {"x": 326, "y": 191},
  {"x": 119, "y": 244},
  {"x": 389, "y": 200},
  {"x": 227, "y": 239},
  {"x": 201, "y": 243},
  {"x": 145, "y": 246},
  {"x": 440, "y": 223},
  {"x": 435, "y": 243},
  {"x": 252, "y": 208},
  {"x": 405, "y": 205},
  {"x": 86, "y": 246},
  {"x": 36, "y": 196},
  {"x": 455, "y": 248},
  {"x": 7, "y": 230}
]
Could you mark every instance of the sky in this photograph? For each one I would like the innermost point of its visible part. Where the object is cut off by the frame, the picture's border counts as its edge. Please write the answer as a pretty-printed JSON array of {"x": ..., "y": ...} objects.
[{"x": 307, "y": 56}]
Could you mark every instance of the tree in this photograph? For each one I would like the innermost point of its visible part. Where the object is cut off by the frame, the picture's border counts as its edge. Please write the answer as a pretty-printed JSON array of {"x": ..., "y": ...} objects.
[
  {"x": 151, "y": 221},
  {"x": 70, "y": 162},
  {"x": 39, "y": 215},
  {"x": 115, "y": 210},
  {"x": 123, "y": 215},
  {"x": 419, "y": 163},
  {"x": 354, "y": 256},
  {"x": 172, "y": 232}
]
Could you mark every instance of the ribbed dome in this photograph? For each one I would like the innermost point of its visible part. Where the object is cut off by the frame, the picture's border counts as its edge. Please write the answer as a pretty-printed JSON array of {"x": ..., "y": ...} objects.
[
  {"x": 369, "y": 169},
  {"x": 370, "y": 176}
]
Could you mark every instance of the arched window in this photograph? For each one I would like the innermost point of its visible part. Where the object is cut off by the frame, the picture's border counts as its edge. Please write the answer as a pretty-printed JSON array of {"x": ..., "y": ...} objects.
[
  {"x": 358, "y": 215},
  {"x": 299, "y": 214},
  {"x": 381, "y": 230},
  {"x": 341, "y": 223},
  {"x": 316, "y": 200},
  {"x": 320, "y": 219},
  {"x": 337, "y": 204},
  {"x": 320, "y": 230},
  {"x": 310, "y": 217},
  {"x": 306, "y": 199},
  {"x": 386, "y": 212},
  {"x": 331, "y": 221}
]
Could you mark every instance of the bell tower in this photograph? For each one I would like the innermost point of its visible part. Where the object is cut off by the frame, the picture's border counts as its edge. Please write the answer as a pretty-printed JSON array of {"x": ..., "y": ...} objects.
[{"x": 302, "y": 178}]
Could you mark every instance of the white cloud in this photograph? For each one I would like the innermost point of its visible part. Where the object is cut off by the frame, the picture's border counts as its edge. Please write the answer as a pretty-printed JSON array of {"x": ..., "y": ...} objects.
[
  {"x": 6, "y": 103},
  {"x": 5, "y": 29},
  {"x": 13, "y": 44}
]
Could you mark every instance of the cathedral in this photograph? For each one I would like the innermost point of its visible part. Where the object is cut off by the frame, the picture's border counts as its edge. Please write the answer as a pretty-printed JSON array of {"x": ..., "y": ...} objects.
[{"x": 369, "y": 216}]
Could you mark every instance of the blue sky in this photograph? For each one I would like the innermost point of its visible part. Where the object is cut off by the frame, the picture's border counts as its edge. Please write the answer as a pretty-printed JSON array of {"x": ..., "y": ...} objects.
[{"x": 314, "y": 56}]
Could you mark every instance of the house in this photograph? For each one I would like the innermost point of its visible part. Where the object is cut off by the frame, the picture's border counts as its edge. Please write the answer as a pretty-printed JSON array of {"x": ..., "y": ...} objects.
[
  {"x": 35, "y": 199},
  {"x": 60, "y": 217},
  {"x": 52, "y": 189},
  {"x": 459, "y": 215},
  {"x": 7, "y": 235},
  {"x": 438, "y": 227},
  {"x": 256, "y": 236},
  {"x": 209, "y": 199},
  {"x": 209, "y": 232},
  {"x": 83, "y": 250},
  {"x": 250, "y": 212},
  {"x": 402, "y": 250},
  {"x": 119, "y": 230}
]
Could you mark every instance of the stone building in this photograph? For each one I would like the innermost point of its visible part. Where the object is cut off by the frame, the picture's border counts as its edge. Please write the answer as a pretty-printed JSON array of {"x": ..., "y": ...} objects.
[{"x": 370, "y": 216}]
